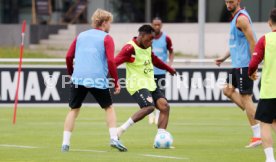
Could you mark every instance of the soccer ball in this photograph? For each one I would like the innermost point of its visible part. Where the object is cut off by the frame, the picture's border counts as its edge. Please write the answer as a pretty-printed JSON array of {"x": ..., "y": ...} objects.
[{"x": 163, "y": 140}]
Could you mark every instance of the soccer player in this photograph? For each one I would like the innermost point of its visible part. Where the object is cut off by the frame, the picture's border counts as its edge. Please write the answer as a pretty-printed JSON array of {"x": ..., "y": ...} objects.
[
  {"x": 139, "y": 59},
  {"x": 266, "y": 110},
  {"x": 161, "y": 44},
  {"x": 242, "y": 42},
  {"x": 93, "y": 51}
]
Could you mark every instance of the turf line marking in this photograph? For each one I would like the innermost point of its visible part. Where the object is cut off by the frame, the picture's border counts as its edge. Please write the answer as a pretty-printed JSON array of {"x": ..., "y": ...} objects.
[
  {"x": 165, "y": 157},
  {"x": 18, "y": 146},
  {"x": 83, "y": 150},
  {"x": 207, "y": 124}
]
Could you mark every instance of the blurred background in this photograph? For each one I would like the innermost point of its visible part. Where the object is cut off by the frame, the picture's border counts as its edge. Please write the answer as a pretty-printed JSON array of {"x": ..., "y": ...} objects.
[
  {"x": 199, "y": 30},
  {"x": 52, "y": 24},
  {"x": 132, "y": 11}
]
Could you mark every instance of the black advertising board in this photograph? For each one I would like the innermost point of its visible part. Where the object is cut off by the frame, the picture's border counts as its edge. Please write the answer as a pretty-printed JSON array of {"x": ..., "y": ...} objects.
[{"x": 51, "y": 85}]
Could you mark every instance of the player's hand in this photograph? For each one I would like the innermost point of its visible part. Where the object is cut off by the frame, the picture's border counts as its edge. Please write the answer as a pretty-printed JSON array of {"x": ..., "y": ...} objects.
[
  {"x": 254, "y": 76},
  {"x": 117, "y": 89},
  {"x": 173, "y": 72},
  {"x": 219, "y": 61}
]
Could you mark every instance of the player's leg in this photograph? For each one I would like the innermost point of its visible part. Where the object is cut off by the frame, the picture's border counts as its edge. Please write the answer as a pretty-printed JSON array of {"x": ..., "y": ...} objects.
[
  {"x": 255, "y": 125},
  {"x": 161, "y": 86},
  {"x": 229, "y": 89},
  {"x": 69, "y": 125},
  {"x": 266, "y": 114},
  {"x": 274, "y": 119},
  {"x": 152, "y": 117},
  {"x": 77, "y": 95},
  {"x": 164, "y": 108},
  {"x": 111, "y": 120},
  {"x": 245, "y": 86},
  {"x": 139, "y": 115},
  {"x": 230, "y": 92},
  {"x": 144, "y": 99},
  {"x": 274, "y": 125},
  {"x": 157, "y": 115},
  {"x": 250, "y": 108},
  {"x": 267, "y": 141},
  {"x": 70, "y": 119},
  {"x": 111, "y": 124},
  {"x": 103, "y": 97},
  {"x": 143, "y": 112}
]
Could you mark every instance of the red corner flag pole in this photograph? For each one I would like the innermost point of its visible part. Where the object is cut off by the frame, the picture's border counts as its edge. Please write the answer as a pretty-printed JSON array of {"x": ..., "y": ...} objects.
[{"x": 19, "y": 70}]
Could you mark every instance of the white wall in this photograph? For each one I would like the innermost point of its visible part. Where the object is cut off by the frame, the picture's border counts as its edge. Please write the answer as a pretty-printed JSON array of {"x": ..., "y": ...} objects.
[
  {"x": 185, "y": 36},
  {"x": 11, "y": 35}
]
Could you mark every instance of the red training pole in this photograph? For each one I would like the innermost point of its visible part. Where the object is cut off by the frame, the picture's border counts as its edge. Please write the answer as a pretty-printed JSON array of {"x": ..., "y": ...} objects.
[{"x": 19, "y": 70}]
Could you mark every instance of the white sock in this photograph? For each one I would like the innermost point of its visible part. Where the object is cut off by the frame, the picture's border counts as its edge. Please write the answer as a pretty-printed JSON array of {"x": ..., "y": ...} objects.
[
  {"x": 269, "y": 154},
  {"x": 161, "y": 130},
  {"x": 113, "y": 133},
  {"x": 66, "y": 138},
  {"x": 151, "y": 115},
  {"x": 127, "y": 124},
  {"x": 256, "y": 131},
  {"x": 157, "y": 113}
]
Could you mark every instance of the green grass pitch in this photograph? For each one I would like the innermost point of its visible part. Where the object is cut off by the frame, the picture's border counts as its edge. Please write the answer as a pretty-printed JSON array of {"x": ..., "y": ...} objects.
[{"x": 201, "y": 134}]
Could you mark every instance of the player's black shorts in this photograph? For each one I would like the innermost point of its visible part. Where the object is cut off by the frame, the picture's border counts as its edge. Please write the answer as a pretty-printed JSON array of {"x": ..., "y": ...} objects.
[
  {"x": 79, "y": 92},
  {"x": 238, "y": 77},
  {"x": 266, "y": 110},
  {"x": 145, "y": 98},
  {"x": 160, "y": 81}
]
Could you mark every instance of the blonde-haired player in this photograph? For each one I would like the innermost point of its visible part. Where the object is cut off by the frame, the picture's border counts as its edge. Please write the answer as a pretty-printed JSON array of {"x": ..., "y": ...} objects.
[{"x": 93, "y": 51}]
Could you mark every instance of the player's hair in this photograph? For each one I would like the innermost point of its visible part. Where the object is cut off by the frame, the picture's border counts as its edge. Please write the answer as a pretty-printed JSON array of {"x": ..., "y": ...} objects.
[
  {"x": 146, "y": 29},
  {"x": 157, "y": 18},
  {"x": 100, "y": 16},
  {"x": 273, "y": 15}
]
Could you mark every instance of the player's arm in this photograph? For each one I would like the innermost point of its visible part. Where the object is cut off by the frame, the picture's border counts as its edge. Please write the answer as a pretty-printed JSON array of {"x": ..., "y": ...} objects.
[
  {"x": 244, "y": 25},
  {"x": 170, "y": 49},
  {"x": 127, "y": 54},
  {"x": 70, "y": 57},
  {"x": 220, "y": 60},
  {"x": 161, "y": 65},
  {"x": 257, "y": 58},
  {"x": 109, "y": 51}
]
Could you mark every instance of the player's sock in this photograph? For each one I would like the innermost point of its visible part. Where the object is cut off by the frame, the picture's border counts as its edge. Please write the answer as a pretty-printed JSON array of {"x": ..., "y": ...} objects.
[
  {"x": 66, "y": 138},
  {"x": 269, "y": 154},
  {"x": 151, "y": 118},
  {"x": 161, "y": 130},
  {"x": 113, "y": 133},
  {"x": 127, "y": 124},
  {"x": 151, "y": 115},
  {"x": 157, "y": 113},
  {"x": 256, "y": 131}
]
